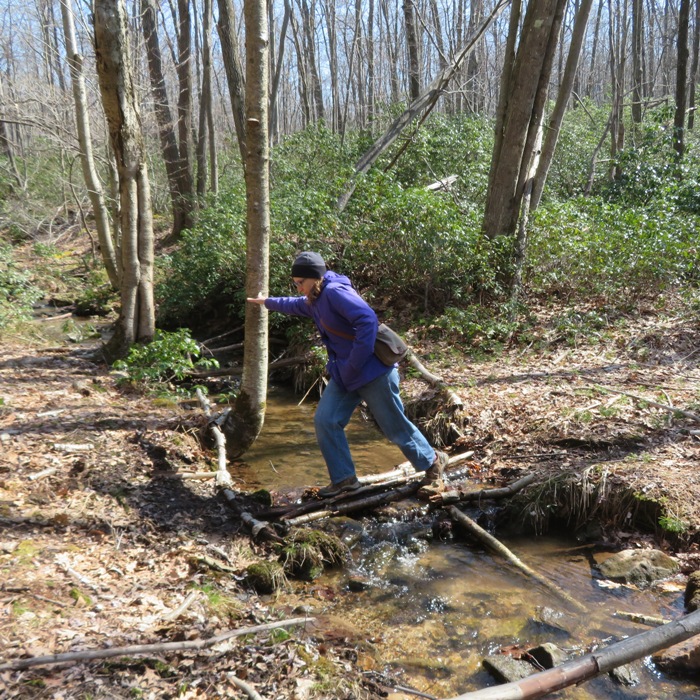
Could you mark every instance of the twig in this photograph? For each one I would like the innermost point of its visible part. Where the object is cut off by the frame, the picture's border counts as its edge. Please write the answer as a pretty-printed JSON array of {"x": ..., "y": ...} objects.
[
  {"x": 242, "y": 685},
  {"x": 63, "y": 564},
  {"x": 174, "y": 614},
  {"x": 485, "y": 494},
  {"x": 688, "y": 414},
  {"x": 648, "y": 620},
  {"x": 44, "y": 472},
  {"x": 140, "y": 649},
  {"x": 72, "y": 447}
]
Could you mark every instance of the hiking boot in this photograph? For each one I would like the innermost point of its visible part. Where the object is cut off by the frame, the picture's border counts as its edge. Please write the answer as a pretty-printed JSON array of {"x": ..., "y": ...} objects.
[
  {"x": 349, "y": 484},
  {"x": 434, "y": 473}
]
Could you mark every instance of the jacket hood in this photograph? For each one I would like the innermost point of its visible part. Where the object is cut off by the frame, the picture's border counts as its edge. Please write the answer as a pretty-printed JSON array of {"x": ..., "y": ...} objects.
[{"x": 334, "y": 278}]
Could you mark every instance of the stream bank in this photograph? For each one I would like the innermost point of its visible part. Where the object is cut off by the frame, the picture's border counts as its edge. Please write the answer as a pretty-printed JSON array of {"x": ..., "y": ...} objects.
[{"x": 106, "y": 545}]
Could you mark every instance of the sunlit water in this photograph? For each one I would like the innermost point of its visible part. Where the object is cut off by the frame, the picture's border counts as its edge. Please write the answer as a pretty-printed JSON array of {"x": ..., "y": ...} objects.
[{"x": 434, "y": 609}]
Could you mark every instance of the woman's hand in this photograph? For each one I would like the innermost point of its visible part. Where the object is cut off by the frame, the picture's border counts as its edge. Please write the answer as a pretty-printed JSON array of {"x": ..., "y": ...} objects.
[{"x": 260, "y": 299}]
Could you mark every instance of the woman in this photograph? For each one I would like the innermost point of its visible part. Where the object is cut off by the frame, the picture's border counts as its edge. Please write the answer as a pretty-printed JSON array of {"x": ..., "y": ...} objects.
[{"x": 348, "y": 328}]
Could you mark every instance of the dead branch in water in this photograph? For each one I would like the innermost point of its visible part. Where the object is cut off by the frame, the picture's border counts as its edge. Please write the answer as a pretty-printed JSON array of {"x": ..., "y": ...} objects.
[
  {"x": 592, "y": 665},
  {"x": 493, "y": 544}
]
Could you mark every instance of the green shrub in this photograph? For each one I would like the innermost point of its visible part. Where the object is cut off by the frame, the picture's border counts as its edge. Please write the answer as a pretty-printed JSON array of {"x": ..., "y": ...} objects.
[
  {"x": 411, "y": 245},
  {"x": 170, "y": 356},
  {"x": 588, "y": 247},
  {"x": 17, "y": 290}
]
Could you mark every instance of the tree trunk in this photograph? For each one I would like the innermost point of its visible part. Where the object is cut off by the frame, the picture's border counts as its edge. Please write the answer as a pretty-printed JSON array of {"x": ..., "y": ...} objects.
[
  {"x": 92, "y": 180},
  {"x": 555, "y": 120},
  {"x": 529, "y": 74},
  {"x": 245, "y": 421},
  {"x": 184, "y": 114},
  {"x": 681, "y": 78},
  {"x": 637, "y": 63},
  {"x": 234, "y": 71},
  {"x": 413, "y": 50},
  {"x": 392, "y": 52},
  {"x": 166, "y": 127},
  {"x": 309, "y": 42},
  {"x": 204, "y": 101},
  {"x": 591, "y": 665},
  {"x": 274, "y": 91},
  {"x": 694, "y": 67},
  {"x": 137, "y": 314}
]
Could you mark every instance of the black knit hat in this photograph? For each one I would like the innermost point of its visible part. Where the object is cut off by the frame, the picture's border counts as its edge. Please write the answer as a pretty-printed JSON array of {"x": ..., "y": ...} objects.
[{"x": 309, "y": 265}]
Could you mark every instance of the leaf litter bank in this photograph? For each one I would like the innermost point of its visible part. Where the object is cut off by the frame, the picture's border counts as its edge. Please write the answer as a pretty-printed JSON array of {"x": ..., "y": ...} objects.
[{"x": 101, "y": 547}]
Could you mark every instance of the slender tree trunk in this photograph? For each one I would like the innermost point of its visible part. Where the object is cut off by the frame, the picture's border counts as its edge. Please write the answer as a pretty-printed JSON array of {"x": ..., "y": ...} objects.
[
  {"x": 137, "y": 314},
  {"x": 166, "y": 126},
  {"x": 303, "y": 76},
  {"x": 694, "y": 68},
  {"x": 245, "y": 422},
  {"x": 234, "y": 71},
  {"x": 474, "y": 92},
  {"x": 274, "y": 91},
  {"x": 204, "y": 100},
  {"x": 681, "y": 78},
  {"x": 184, "y": 112},
  {"x": 308, "y": 16},
  {"x": 391, "y": 45},
  {"x": 590, "y": 90},
  {"x": 370, "y": 64},
  {"x": 637, "y": 48},
  {"x": 413, "y": 50},
  {"x": 92, "y": 180},
  {"x": 557, "y": 116}
]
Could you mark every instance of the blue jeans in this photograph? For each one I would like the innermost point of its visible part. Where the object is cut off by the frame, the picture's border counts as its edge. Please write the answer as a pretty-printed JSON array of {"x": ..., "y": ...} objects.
[{"x": 382, "y": 398}]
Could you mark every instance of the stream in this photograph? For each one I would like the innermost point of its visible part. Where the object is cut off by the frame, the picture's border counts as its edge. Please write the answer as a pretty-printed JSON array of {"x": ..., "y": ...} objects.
[{"x": 433, "y": 608}]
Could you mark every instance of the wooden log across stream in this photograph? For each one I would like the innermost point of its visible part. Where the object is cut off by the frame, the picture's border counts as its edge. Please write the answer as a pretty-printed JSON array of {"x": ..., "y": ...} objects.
[{"x": 592, "y": 665}]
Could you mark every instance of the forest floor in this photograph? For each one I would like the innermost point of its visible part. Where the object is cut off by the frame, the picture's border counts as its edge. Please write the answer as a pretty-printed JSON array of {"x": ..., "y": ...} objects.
[{"x": 102, "y": 545}]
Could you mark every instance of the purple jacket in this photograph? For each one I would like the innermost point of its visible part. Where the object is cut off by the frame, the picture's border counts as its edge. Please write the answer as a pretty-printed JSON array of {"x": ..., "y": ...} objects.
[{"x": 351, "y": 359}]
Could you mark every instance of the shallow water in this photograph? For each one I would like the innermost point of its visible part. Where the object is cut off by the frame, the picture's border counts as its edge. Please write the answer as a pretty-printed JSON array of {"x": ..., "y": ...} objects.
[{"x": 434, "y": 608}]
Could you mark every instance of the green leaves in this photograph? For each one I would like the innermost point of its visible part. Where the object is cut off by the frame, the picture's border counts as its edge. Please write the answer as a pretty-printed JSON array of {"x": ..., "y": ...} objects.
[{"x": 169, "y": 356}]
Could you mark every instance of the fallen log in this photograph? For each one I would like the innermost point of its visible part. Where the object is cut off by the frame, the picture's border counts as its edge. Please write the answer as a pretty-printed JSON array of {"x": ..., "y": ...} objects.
[
  {"x": 374, "y": 501},
  {"x": 402, "y": 474},
  {"x": 141, "y": 649},
  {"x": 223, "y": 478},
  {"x": 447, "y": 497},
  {"x": 592, "y": 665},
  {"x": 493, "y": 544}
]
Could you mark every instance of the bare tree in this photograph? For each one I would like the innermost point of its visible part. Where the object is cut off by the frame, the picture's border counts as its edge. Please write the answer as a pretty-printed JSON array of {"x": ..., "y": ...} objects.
[
  {"x": 108, "y": 248},
  {"x": 112, "y": 53},
  {"x": 413, "y": 50},
  {"x": 563, "y": 96},
  {"x": 681, "y": 78},
  {"x": 521, "y": 107},
  {"x": 175, "y": 154},
  {"x": 234, "y": 71},
  {"x": 694, "y": 67},
  {"x": 244, "y": 423}
]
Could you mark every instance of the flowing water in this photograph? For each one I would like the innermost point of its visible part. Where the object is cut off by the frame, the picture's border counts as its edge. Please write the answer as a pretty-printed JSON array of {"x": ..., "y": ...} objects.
[{"x": 432, "y": 609}]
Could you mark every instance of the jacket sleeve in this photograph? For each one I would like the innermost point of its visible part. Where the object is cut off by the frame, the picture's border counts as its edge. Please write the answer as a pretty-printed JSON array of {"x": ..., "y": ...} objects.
[
  {"x": 294, "y": 306},
  {"x": 358, "y": 313}
]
